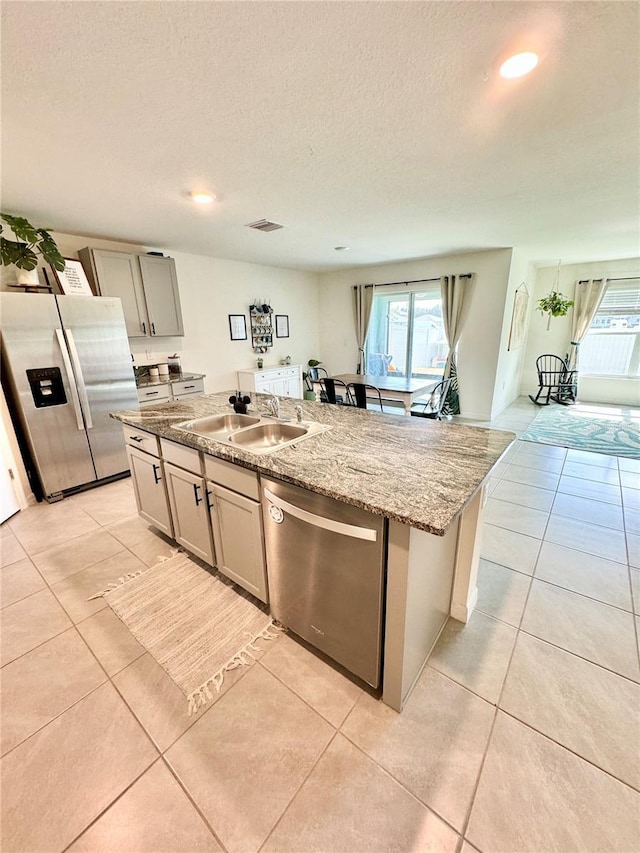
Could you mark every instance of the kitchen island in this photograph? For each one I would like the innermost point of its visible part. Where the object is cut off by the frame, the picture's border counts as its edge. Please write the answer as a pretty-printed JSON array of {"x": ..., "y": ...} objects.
[{"x": 424, "y": 477}]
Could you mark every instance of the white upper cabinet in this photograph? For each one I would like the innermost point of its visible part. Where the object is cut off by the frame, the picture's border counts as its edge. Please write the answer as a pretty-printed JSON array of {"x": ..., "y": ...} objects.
[
  {"x": 161, "y": 294},
  {"x": 146, "y": 285}
]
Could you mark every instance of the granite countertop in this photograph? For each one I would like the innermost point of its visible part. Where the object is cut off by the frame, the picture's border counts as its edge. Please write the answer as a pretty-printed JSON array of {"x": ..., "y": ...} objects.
[
  {"x": 414, "y": 470},
  {"x": 145, "y": 381}
]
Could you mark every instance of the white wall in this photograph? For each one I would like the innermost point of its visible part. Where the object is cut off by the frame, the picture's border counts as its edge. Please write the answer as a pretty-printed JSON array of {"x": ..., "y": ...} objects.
[
  {"x": 556, "y": 339},
  {"x": 480, "y": 343},
  {"x": 511, "y": 362},
  {"x": 210, "y": 290}
]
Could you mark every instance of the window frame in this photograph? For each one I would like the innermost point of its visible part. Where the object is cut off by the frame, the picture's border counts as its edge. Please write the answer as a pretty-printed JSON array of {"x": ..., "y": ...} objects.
[
  {"x": 413, "y": 292},
  {"x": 633, "y": 367}
]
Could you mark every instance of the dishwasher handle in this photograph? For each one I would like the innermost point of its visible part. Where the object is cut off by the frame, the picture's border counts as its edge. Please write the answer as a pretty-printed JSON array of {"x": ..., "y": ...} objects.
[{"x": 340, "y": 527}]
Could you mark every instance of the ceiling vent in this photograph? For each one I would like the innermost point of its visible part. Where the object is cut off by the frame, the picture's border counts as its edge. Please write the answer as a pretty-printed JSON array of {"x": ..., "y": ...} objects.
[{"x": 264, "y": 225}]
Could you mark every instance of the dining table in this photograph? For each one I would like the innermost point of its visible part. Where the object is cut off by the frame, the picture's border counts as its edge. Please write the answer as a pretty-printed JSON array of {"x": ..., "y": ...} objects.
[{"x": 402, "y": 388}]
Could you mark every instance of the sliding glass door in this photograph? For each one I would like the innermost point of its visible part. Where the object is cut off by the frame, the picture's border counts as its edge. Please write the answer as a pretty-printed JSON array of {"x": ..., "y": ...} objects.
[{"x": 406, "y": 335}]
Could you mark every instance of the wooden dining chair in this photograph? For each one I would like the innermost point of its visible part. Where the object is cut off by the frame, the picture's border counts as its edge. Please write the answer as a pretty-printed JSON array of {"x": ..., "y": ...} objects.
[
  {"x": 433, "y": 406},
  {"x": 362, "y": 394}
]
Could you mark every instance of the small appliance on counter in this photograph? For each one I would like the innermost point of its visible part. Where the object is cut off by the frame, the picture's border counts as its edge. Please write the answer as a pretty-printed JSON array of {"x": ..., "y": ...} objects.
[{"x": 173, "y": 363}]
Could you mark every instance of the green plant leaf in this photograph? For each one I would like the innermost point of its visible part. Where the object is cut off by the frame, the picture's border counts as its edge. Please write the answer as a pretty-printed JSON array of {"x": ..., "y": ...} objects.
[
  {"x": 21, "y": 227},
  {"x": 49, "y": 250},
  {"x": 18, "y": 253}
]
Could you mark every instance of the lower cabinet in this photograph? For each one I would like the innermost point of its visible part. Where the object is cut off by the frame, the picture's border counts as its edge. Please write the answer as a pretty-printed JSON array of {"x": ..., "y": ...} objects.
[
  {"x": 149, "y": 488},
  {"x": 212, "y": 510},
  {"x": 237, "y": 534},
  {"x": 190, "y": 511}
]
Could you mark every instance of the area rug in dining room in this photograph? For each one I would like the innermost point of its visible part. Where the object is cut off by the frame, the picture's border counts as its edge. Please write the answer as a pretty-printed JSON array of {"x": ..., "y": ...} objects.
[
  {"x": 196, "y": 625},
  {"x": 614, "y": 430}
]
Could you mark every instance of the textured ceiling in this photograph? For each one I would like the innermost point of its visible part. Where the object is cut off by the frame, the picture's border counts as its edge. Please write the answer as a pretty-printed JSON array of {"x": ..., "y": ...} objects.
[{"x": 380, "y": 126}]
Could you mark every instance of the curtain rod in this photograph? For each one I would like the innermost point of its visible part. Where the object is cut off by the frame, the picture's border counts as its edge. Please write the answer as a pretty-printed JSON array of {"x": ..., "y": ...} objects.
[
  {"x": 624, "y": 278},
  {"x": 416, "y": 281}
]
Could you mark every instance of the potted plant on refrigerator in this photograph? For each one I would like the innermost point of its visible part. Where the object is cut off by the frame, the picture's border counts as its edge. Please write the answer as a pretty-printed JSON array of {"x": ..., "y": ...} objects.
[{"x": 24, "y": 251}]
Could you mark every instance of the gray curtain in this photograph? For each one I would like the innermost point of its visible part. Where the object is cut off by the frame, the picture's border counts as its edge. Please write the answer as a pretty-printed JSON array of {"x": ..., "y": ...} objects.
[
  {"x": 362, "y": 304},
  {"x": 585, "y": 304},
  {"x": 454, "y": 291}
]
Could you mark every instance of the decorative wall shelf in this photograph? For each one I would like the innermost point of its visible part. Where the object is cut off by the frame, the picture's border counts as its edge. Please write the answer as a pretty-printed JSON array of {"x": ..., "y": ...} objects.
[{"x": 261, "y": 317}]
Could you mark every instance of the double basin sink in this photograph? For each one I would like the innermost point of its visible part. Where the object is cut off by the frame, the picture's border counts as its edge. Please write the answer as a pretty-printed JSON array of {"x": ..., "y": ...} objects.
[{"x": 251, "y": 432}]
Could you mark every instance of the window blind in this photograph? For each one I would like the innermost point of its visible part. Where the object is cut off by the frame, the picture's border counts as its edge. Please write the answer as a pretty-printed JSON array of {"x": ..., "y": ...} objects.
[{"x": 621, "y": 298}]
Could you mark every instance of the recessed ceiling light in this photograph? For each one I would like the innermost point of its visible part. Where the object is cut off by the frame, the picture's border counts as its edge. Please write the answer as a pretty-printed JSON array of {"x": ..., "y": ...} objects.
[
  {"x": 519, "y": 65},
  {"x": 341, "y": 248},
  {"x": 202, "y": 197}
]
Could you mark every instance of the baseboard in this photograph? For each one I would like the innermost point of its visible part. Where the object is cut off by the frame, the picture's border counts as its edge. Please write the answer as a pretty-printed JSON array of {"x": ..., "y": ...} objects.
[{"x": 463, "y": 612}]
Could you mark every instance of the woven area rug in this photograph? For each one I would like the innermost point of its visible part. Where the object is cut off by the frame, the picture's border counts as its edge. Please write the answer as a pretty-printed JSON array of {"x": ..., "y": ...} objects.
[
  {"x": 195, "y": 624},
  {"x": 613, "y": 430}
]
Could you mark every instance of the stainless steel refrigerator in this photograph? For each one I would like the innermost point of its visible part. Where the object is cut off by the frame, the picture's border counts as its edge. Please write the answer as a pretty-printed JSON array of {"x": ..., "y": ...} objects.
[{"x": 66, "y": 364}]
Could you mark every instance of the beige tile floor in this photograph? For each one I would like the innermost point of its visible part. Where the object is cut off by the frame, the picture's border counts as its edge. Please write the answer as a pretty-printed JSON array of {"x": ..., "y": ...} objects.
[{"x": 522, "y": 734}]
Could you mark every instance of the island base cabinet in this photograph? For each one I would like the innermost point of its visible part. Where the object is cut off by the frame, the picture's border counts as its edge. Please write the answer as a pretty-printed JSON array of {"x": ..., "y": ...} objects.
[
  {"x": 237, "y": 533},
  {"x": 149, "y": 489},
  {"x": 190, "y": 512}
]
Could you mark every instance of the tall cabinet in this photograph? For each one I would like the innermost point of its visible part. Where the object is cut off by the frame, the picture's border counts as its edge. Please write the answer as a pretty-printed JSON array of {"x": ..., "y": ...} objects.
[{"x": 146, "y": 284}]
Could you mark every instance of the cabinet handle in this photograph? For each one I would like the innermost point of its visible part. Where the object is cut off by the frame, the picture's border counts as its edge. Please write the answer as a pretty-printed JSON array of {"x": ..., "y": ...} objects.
[
  {"x": 187, "y": 387},
  {"x": 209, "y": 504},
  {"x": 153, "y": 328},
  {"x": 144, "y": 328},
  {"x": 137, "y": 438},
  {"x": 195, "y": 494},
  {"x": 151, "y": 393},
  {"x": 156, "y": 468}
]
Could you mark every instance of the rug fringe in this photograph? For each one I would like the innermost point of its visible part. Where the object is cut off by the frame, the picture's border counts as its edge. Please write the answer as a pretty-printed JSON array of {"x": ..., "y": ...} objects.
[
  {"x": 201, "y": 695},
  {"x": 130, "y": 576}
]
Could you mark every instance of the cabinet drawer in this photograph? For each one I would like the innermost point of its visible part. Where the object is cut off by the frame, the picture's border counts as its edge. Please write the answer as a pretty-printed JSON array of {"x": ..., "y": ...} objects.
[
  {"x": 185, "y": 457},
  {"x": 154, "y": 394},
  {"x": 232, "y": 476},
  {"x": 141, "y": 439},
  {"x": 189, "y": 386}
]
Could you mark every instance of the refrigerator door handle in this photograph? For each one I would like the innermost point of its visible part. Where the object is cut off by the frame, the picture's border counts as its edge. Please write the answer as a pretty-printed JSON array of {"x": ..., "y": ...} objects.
[
  {"x": 319, "y": 521},
  {"x": 82, "y": 388},
  {"x": 72, "y": 383}
]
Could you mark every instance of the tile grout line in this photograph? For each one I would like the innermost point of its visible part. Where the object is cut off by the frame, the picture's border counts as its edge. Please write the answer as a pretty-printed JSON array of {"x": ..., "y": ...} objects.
[
  {"x": 299, "y": 788},
  {"x": 402, "y": 784},
  {"x": 497, "y": 704}
]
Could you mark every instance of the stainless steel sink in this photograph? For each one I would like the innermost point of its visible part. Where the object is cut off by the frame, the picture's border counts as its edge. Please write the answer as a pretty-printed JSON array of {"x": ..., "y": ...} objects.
[
  {"x": 251, "y": 432},
  {"x": 266, "y": 436},
  {"x": 216, "y": 425}
]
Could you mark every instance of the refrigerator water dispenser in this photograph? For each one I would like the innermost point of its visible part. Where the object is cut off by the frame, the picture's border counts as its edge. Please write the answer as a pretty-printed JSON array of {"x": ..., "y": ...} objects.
[{"x": 47, "y": 387}]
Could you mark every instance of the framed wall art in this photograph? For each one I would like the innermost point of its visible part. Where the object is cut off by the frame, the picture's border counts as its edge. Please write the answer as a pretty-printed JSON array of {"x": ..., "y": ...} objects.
[
  {"x": 238, "y": 327},
  {"x": 72, "y": 281},
  {"x": 282, "y": 325}
]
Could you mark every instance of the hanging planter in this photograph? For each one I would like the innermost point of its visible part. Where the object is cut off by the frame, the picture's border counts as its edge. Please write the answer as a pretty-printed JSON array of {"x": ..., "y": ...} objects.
[{"x": 555, "y": 305}]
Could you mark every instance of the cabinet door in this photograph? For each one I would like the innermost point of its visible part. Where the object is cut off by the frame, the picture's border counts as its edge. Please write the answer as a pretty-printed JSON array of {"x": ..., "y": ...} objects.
[
  {"x": 237, "y": 533},
  {"x": 265, "y": 386},
  {"x": 280, "y": 387},
  {"x": 150, "y": 490},
  {"x": 118, "y": 275},
  {"x": 161, "y": 294},
  {"x": 189, "y": 511}
]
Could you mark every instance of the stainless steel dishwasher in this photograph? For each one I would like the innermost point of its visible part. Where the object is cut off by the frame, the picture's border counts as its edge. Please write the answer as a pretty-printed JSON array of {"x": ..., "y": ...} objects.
[{"x": 325, "y": 564}]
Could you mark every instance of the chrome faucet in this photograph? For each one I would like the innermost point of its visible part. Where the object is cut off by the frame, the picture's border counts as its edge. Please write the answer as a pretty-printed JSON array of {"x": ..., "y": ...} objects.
[
  {"x": 273, "y": 406},
  {"x": 299, "y": 414}
]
